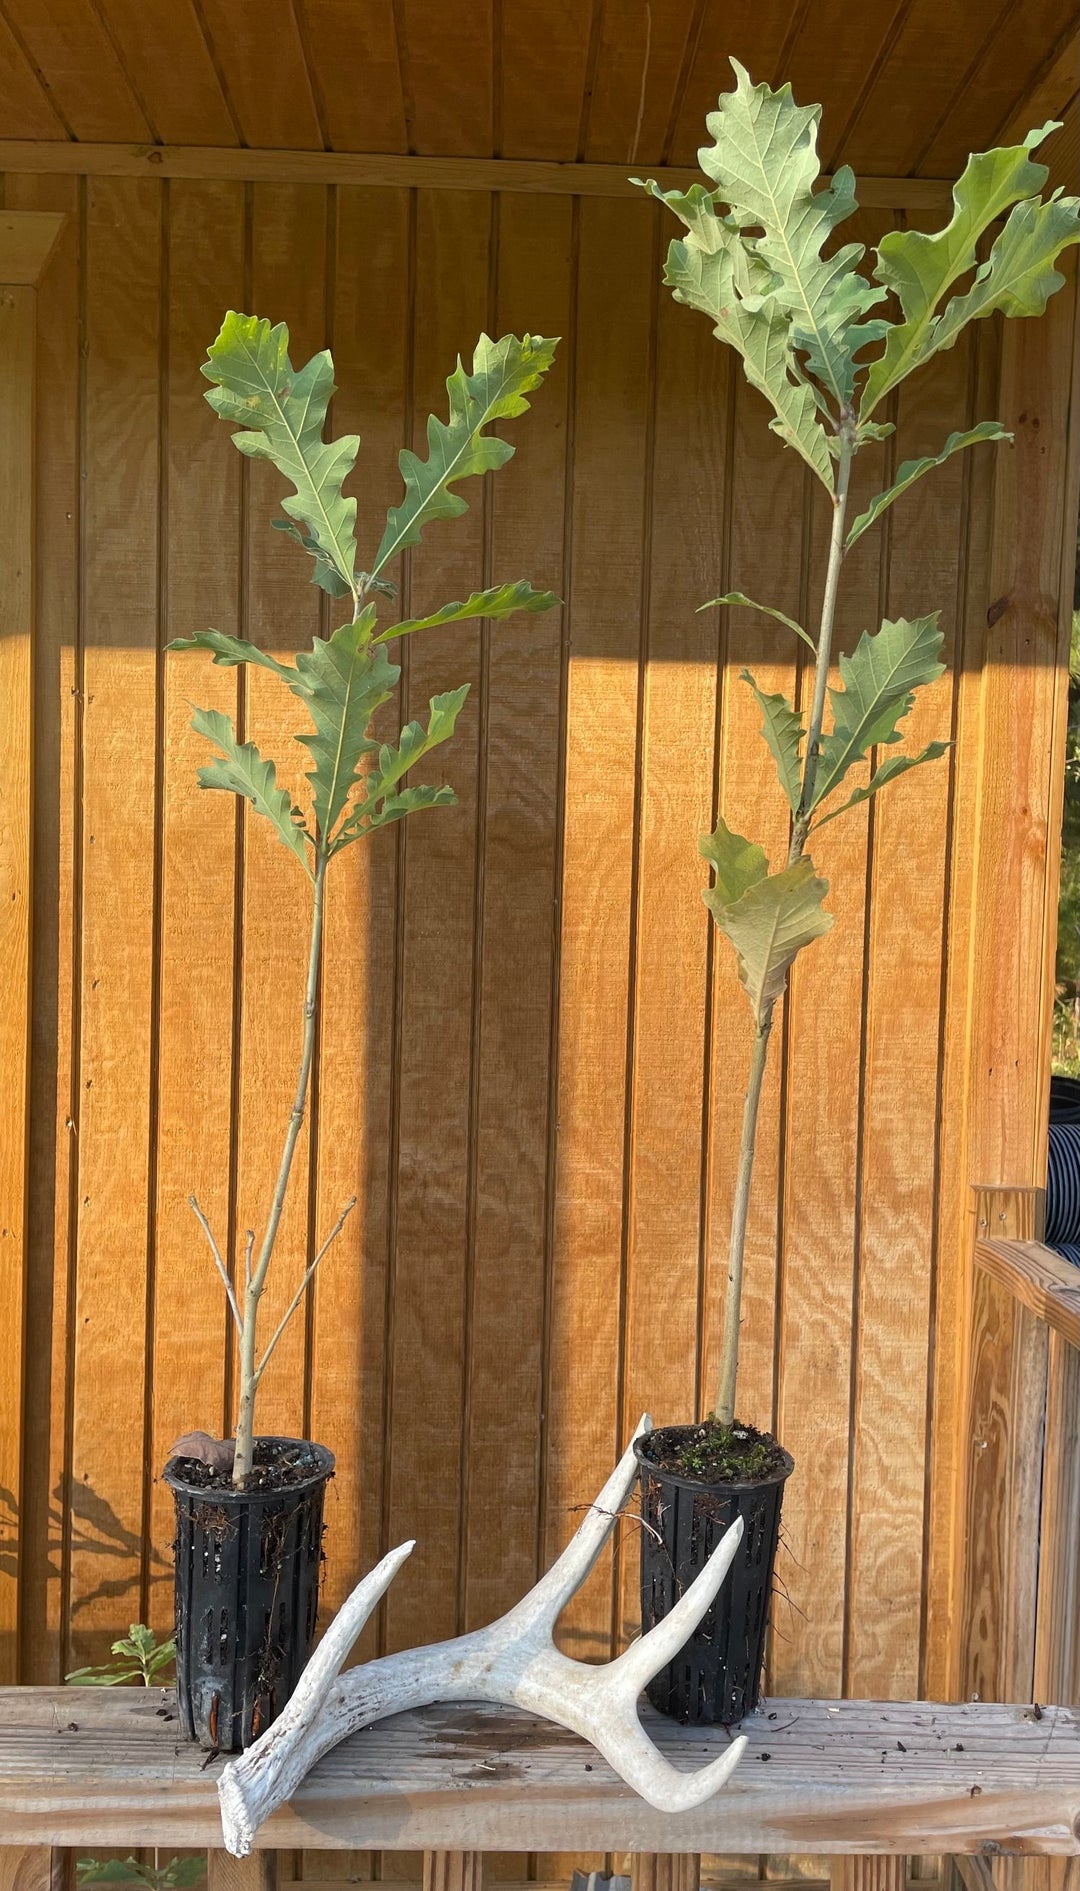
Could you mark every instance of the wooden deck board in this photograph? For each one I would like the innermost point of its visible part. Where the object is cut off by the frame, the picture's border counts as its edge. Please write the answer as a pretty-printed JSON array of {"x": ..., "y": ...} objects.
[{"x": 79, "y": 1767}]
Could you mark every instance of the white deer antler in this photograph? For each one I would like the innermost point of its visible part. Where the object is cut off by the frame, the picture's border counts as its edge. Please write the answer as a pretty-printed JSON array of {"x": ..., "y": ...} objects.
[{"x": 514, "y": 1661}]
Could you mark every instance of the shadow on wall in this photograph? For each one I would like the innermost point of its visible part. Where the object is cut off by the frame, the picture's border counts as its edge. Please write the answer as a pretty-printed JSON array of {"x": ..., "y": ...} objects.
[{"x": 95, "y": 1531}]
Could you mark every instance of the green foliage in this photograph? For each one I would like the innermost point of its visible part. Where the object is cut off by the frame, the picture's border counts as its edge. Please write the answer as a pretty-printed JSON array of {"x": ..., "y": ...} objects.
[
  {"x": 879, "y": 683},
  {"x": 500, "y": 601},
  {"x": 178, "y": 1874},
  {"x": 242, "y": 770},
  {"x": 768, "y": 917},
  {"x": 768, "y": 610},
  {"x": 142, "y": 1658},
  {"x": 503, "y": 372},
  {"x": 783, "y": 730},
  {"x": 911, "y": 470},
  {"x": 283, "y": 412}
]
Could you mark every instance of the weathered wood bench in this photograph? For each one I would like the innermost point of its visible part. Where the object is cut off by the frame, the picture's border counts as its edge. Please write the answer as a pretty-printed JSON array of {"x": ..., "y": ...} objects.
[{"x": 865, "y": 1783}]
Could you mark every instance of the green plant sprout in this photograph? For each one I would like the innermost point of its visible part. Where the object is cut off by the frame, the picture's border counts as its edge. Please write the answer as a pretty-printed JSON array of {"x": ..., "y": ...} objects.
[
  {"x": 178, "y": 1874},
  {"x": 142, "y": 1658},
  {"x": 357, "y": 783},
  {"x": 754, "y": 260}
]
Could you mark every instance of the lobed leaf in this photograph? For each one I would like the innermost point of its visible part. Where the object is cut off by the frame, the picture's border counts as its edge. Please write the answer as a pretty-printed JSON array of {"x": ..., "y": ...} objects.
[
  {"x": 378, "y": 803},
  {"x": 230, "y": 650},
  {"x": 739, "y": 597},
  {"x": 921, "y": 268},
  {"x": 783, "y": 730},
  {"x": 911, "y": 470},
  {"x": 283, "y": 411},
  {"x": 764, "y": 162},
  {"x": 500, "y": 601},
  {"x": 888, "y": 771},
  {"x": 879, "y": 680},
  {"x": 769, "y": 925},
  {"x": 342, "y": 680},
  {"x": 242, "y": 770},
  {"x": 503, "y": 372}
]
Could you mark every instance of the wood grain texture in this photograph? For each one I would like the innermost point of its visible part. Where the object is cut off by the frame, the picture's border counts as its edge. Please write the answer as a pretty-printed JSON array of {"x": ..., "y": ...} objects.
[
  {"x": 73, "y": 50},
  {"x": 453, "y": 1871},
  {"x": 27, "y": 240},
  {"x": 352, "y": 51},
  {"x": 1038, "y": 1278},
  {"x": 842, "y": 1777},
  {"x": 865, "y": 1872},
  {"x": 57, "y": 719},
  {"x": 170, "y": 66},
  {"x": 665, "y": 1871},
  {"x": 386, "y": 171},
  {"x": 119, "y": 889},
  {"x": 17, "y": 360},
  {"x": 257, "y": 1873},
  {"x": 1057, "y": 1638},
  {"x": 257, "y": 43},
  {"x": 28, "y": 110},
  {"x": 30, "y": 1868}
]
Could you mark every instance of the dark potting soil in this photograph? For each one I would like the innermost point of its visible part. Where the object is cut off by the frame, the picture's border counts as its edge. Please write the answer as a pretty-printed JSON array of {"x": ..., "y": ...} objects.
[
  {"x": 276, "y": 1467},
  {"x": 715, "y": 1454}
]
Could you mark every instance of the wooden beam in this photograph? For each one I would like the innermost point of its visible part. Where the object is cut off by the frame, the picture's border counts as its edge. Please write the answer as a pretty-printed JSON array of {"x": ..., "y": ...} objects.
[
  {"x": 26, "y": 242},
  {"x": 378, "y": 170},
  {"x": 1038, "y": 1279},
  {"x": 79, "y": 1766},
  {"x": 257, "y": 1873}
]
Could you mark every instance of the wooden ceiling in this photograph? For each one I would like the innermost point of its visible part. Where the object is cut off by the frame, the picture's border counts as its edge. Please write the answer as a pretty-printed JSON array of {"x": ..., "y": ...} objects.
[{"x": 908, "y": 86}]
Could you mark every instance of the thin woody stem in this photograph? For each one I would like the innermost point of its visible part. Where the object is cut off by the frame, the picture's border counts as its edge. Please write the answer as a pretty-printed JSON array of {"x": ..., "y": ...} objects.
[
  {"x": 729, "y": 1348},
  {"x": 301, "y": 1290},
  {"x": 218, "y": 1262},
  {"x": 245, "y": 1442}
]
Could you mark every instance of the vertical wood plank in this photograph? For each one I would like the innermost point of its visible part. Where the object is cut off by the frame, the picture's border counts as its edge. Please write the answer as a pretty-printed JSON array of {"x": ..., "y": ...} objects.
[
  {"x": 31, "y": 1868},
  {"x": 198, "y": 872},
  {"x": 1006, "y": 1414},
  {"x": 868, "y": 1871},
  {"x": 257, "y": 1873},
  {"x": 56, "y": 729},
  {"x": 607, "y": 502},
  {"x": 17, "y": 337},
  {"x": 671, "y": 940},
  {"x": 114, "y": 1124},
  {"x": 453, "y": 1871},
  {"x": 665, "y": 1871},
  {"x": 370, "y": 341},
  {"x": 1022, "y": 709},
  {"x": 1057, "y": 1639},
  {"x": 436, "y": 1041},
  {"x": 518, "y": 940},
  {"x": 282, "y": 614},
  {"x": 910, "y": 836}
]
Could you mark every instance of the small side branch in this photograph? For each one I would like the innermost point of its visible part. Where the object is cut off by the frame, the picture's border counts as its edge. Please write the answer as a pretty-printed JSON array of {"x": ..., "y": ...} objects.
[
  {"x": 304, "y": 1284},
  {"x": 249, "y": 1244},
  {"x": 218, "y": 1262}
]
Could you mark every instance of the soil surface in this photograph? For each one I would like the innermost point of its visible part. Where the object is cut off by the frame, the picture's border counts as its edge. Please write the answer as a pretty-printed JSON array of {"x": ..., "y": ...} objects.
[
  {"x": 277, "y": 1466},
  {"x": 712, "y": 1453}
]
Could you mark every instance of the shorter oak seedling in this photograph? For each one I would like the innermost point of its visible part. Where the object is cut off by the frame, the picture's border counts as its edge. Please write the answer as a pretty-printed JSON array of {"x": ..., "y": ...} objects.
[{"x": 357, "y": 781}]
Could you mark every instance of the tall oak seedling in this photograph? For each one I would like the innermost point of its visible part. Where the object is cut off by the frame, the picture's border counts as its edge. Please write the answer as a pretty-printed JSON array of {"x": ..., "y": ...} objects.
[
  {"x": 357, "y": 783},
  {"x": 758, "y": 259}
]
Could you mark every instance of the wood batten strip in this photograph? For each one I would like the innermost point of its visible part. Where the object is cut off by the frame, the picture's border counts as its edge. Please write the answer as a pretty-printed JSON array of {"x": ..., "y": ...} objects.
[
  {"x": 378, "y": 169},
  {"x": 27, "y": 240}
]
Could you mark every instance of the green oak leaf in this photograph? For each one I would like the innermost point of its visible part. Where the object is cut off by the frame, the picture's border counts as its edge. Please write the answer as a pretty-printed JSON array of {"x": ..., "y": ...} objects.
[
  {"x": 911, "y": 470},
  {"x": 500, "y": 601},
  {"x": 503, "y": 372},
  {"x": 769, "y": 925},
  {"x": 342, "y": 680},
  {"x": 783, "y": 730},
  {"x": 920, "y": 268},
  {"x": 242, "y": 770},
  {"x": 737, "y": 863},
  {"x": 888, "y": 771},
  {"x": 764, "y": 163},
  {"x": 230, "y": 650},
  {"x": 283, "y": 411},
  {"x": 379, "y": 803},
  {"x": 739, "y": 597},
  {"x": 879, "y": 679}
]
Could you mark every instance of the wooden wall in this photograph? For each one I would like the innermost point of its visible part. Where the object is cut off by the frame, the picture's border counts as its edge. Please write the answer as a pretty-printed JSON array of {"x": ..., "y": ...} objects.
[{"x": 533, "y": 1059}]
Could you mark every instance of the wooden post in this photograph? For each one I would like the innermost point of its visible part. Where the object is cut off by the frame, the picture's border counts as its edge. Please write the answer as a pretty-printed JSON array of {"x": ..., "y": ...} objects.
[
  {"x": 257, "y": 1873},
  {"x": 868, "y": 1871},
  {"x": 31, "y": 1868},
  {"x": 27, "y": 239},
  {"x": 452, "y": 1871},
  {"x": 665, "y": 1871}
]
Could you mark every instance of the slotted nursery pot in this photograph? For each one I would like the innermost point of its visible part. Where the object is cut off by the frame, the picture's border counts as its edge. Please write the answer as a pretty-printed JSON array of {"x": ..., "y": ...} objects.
[
  {"x": 247, "y": 1589},
  {"x": 716, "y": 1677}
]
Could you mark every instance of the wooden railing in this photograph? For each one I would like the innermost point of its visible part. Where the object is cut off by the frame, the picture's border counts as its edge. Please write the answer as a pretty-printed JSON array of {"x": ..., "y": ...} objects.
[{"x": 1020, "y": 1628}]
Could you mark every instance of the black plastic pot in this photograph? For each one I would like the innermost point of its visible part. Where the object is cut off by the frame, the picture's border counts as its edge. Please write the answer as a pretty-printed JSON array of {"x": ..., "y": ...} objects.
[
  {"x": 716, "y": 1677},
  {"x": 247, "y": 1592}
]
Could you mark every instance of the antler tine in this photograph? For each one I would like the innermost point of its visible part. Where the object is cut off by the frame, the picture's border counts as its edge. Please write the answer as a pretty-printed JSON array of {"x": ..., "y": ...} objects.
[
  {"x": 635, "y": 1668},
  {"x": 568, "y": 1572},
  {"x": 639, "y": 1762}
]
